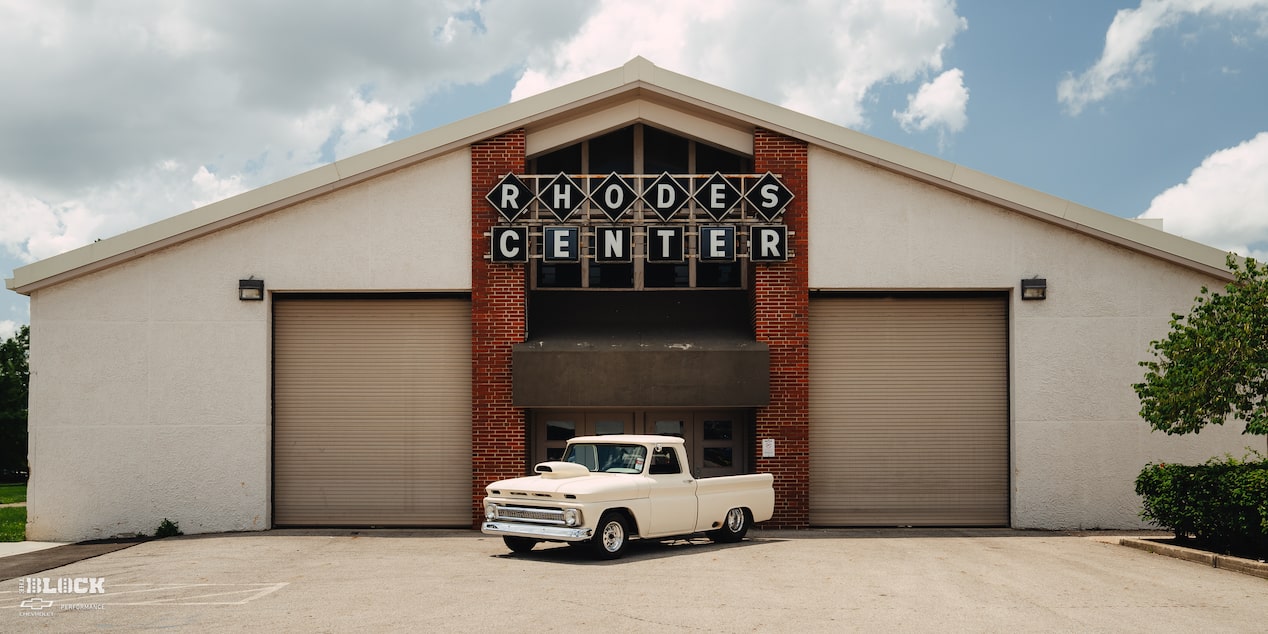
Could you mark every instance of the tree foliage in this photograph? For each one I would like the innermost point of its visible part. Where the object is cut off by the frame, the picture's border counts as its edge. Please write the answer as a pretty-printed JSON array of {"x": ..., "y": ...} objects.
[
  {"x": 1214, "y": 362},
  {"x": 15, "y": 378}
]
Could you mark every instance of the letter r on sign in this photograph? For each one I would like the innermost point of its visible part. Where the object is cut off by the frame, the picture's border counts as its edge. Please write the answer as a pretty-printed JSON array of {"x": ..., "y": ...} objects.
[
  {"x": 510, "y": 194},
  {"x": 768, "y": 243}
]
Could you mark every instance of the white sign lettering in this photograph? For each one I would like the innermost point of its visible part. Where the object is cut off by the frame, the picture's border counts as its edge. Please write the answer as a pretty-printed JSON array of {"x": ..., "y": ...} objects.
[{"x": 742, "y": 200}]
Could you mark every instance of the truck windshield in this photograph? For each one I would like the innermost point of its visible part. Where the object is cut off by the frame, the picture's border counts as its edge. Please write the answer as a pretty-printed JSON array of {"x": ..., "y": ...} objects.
[{"x": 606, "y": 458}]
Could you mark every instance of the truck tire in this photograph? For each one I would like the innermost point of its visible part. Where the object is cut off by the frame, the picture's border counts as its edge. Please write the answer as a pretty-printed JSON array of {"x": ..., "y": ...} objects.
[
  {"x": 611, "y": 537},
  {"x": 519, "y": 544},
  {"x": 734, "y": 527}
]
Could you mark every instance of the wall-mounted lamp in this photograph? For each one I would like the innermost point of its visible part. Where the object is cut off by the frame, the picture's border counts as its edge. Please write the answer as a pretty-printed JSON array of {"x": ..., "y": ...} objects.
[
  {"x": 1034, "y": 288},
  {"x": 251, "y": 290}
]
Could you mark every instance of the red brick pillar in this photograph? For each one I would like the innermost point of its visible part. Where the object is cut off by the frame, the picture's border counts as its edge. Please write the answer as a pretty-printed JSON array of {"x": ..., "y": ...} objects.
[
  {"x": 497, "y": 322},
  {"x": 781, "y": 316}
]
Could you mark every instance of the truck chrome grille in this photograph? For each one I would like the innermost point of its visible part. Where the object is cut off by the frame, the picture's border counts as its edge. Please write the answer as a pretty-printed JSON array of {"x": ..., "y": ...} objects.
[{"x": 529, "y": 514}]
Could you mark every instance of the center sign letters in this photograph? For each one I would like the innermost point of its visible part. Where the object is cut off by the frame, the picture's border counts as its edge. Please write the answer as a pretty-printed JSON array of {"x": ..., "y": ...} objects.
[{"x": 749, "y": 204}]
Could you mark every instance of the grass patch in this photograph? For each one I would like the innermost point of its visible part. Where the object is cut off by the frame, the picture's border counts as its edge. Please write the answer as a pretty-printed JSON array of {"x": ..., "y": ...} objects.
[
  {"x": 13, "y": 524},
  {"x": 10, "y": 493}
]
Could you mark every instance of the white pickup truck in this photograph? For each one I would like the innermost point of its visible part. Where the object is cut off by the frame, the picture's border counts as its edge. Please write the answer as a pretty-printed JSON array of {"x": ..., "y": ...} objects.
[{"x": 609, "y": 489}]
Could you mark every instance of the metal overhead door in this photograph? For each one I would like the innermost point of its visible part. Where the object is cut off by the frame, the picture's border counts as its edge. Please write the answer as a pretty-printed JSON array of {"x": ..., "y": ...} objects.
[
  {"x": 372, "y": 411},
  {"x": 909, "y": 410}
]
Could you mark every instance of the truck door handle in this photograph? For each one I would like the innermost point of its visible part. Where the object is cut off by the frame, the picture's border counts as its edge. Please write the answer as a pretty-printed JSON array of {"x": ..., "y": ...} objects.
[{"x": 688, "y": 481}]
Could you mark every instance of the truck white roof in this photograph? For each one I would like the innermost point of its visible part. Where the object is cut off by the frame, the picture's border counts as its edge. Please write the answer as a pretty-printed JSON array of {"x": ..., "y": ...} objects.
[{"x": 635, "y": 439}]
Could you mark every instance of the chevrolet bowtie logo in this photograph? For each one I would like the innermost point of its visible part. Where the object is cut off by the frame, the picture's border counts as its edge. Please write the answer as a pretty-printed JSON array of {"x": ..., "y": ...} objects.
[{"x": 36, "y": 603}]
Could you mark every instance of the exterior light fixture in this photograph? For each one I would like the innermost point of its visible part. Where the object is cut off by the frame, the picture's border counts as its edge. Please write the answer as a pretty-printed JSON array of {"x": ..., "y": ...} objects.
[
  {"x": 1034, "y": 288},
  {"x": 251, "y": 290}
]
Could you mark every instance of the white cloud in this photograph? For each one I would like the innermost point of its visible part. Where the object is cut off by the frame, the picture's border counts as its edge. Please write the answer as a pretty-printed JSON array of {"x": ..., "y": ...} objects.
[
  {"x": 366, "y": 126},
  {"x": 1224, "y": 202},
  {"x": 1125, "y": 58},
  {"x": 8, "y": 328},
  {"x": 939, "y": 104},
  {"x": 763, "y": 49},
  {"x": 123, "y": 113},
  {"x": 120, "y": 114}
]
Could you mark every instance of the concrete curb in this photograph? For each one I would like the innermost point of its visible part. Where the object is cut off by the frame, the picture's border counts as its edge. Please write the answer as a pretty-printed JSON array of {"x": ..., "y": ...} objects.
[{"x": 1224, "y": 562}]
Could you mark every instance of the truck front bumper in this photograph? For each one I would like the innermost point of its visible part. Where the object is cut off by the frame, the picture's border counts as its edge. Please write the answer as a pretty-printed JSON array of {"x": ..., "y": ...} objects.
[{"x": 535, "y": 531}]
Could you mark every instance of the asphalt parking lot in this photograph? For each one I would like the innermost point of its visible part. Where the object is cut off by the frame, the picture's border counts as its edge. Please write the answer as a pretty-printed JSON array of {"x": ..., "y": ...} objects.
[{"x": 807, "y": 581}]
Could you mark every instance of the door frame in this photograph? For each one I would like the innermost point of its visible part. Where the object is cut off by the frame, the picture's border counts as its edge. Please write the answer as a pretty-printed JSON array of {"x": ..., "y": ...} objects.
[{"x": 695, "y": 424}]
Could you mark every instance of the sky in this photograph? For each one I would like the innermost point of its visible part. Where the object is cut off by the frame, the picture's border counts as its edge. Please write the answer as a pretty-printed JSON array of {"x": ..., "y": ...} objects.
[{"x": 117, "y": 114}]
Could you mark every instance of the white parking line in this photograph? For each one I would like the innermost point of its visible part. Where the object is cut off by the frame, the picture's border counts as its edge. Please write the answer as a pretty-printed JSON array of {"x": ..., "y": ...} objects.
[{"x": 179, "y": 594}]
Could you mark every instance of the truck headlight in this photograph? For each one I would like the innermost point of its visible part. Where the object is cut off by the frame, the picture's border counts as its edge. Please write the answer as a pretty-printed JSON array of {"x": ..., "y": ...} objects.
[
  {"x": 572, "y": 517},
  {"x": 490, "y": 512}
]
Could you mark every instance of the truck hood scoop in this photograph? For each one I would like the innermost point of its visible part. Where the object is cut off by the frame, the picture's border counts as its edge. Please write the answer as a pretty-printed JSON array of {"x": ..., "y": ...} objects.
[{"x": 560, "y": 470}]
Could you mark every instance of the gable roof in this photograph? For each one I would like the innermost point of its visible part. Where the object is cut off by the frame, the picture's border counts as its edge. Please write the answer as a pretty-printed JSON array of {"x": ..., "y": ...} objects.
[{"x": 651, "y": 93}]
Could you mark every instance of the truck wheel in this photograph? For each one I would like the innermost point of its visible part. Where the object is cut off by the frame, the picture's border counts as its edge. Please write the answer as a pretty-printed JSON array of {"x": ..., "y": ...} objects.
[
  {"x": 610, "y": 537},
  {"x": 733, "y": 527},
  {"x": 519, "y": 544}
]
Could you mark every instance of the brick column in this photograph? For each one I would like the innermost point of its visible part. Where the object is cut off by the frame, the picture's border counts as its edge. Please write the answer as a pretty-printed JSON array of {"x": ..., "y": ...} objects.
[
  {"x": 497, "y": 322},
  {"x": 781, "y": 316}
]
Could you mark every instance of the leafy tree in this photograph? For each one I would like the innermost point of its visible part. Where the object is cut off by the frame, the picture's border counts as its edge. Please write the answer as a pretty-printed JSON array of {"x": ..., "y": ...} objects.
[
  {"x": 15, "y": 378},
  {"x": 1214, "y": 362}
]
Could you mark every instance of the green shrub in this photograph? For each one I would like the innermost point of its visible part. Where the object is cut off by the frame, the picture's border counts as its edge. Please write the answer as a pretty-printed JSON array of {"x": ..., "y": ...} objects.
[
  {"x": 1223, "y": 503},
  {"x": 168, "y": 528}
]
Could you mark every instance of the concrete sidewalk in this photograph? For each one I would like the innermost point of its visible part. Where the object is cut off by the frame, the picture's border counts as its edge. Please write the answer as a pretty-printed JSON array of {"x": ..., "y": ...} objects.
[
  {"x": 8, "y": 549},
  {"x": 806, "y": 581}
]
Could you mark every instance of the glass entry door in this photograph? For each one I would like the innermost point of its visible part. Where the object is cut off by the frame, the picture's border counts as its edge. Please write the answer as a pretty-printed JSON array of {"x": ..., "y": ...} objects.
[
  {"x": 717, "y": 440},
  {"x": 553, "y": 428}
]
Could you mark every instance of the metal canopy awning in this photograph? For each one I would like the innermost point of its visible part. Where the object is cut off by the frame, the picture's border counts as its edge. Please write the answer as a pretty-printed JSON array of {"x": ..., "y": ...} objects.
[{"x": 637, "y": 372}]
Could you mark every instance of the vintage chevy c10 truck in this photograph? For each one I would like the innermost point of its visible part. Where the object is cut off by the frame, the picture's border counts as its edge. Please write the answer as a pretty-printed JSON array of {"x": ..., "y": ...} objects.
[{"x": 609, "y": 489}]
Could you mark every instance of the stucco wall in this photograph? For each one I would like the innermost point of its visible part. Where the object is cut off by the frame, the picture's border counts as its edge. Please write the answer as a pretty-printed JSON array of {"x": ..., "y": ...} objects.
[
  {"x": 150, "y": 381},
  {"x": 1077, "y": 442}
]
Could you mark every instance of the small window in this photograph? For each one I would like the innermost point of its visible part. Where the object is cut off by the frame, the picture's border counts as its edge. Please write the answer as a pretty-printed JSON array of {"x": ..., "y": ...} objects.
[
  {"x": 710, "y": 159},
  {"x": 565, "y": 160},
  {"x": 665, "y": 462},
  {"x": 558, "y": 275},
  {"x": 613, "y": 152},
  {"x": 665, "y": 152},
  {"x": 723, "y": 275}
]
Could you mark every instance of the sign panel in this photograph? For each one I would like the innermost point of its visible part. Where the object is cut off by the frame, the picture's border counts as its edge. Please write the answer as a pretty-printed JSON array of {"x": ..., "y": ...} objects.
[
  {"x": 768, "y": 243},
  {"x": 665, "y": 243},
  {"x": 510, "y": 244},
  {"x": 613, "y": 244},
  {"x": 665, "y": 196},
  {"x": 750, "y": 203},
  {"x": 562, "y": 196},
  {"x": 614, "y": 196},
  {"x": 510, "y": 197},
  {"x": 561, "y": 244},
  {"x": 717, "y": 196},
  {"x": 717, "y": 244},
  {"x": 768, "y": 196}
]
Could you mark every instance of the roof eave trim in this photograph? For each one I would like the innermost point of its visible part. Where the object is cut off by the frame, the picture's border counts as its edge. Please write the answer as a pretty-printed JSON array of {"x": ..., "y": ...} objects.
[{"x": 636, "y": 75}]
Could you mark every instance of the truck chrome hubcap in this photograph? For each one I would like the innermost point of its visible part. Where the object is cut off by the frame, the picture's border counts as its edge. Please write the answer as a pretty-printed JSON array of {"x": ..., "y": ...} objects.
[
  {"x": 613, "y": 536},
  {"x": 734, "y": 520}
]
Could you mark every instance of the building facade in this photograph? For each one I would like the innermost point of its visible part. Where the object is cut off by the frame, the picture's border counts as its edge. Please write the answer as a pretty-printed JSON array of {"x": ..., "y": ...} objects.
[{"x": 636, "y": 252}]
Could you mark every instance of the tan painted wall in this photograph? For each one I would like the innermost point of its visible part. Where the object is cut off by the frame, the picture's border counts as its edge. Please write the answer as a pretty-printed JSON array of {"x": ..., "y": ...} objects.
[
  {"x": 150, "y": 380},
  {"x": 1077, "y": 442}
]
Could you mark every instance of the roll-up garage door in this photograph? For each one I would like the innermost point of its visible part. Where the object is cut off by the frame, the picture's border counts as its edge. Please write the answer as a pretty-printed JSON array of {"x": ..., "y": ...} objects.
[
  {"x": 909, "y": 410},
  {"x": 372, "y": 411}
]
